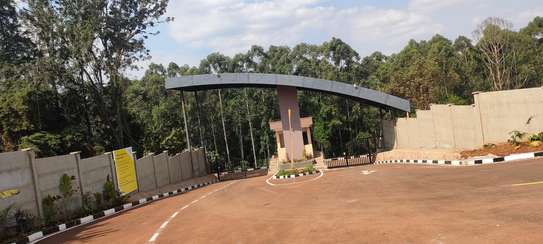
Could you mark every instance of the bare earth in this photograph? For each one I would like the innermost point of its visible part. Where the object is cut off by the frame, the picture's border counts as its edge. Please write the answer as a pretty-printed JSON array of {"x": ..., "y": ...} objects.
[
  {"x": 502, "y": 149},
  {"x": 394, "y": 204}
]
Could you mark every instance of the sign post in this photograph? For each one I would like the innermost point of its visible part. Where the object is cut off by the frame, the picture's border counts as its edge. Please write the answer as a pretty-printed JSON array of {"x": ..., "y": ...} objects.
[{"x": 125, "y": 169}]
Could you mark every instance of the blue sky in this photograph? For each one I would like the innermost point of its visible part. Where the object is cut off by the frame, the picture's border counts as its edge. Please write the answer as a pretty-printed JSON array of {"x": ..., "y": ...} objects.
[{"x": 231, "y": 26}]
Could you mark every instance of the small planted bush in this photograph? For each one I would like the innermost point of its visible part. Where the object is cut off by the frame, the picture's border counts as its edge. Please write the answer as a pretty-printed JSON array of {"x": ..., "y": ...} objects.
[
  {"x": 15, "y": 222},
  {"x": 25, "y": 221},
  {"x": 516, "y": 137},
  {"x": 50, "y": 210},
  {"x": 536, "y": 140},
  {"x": 536, "y": 137},
  {"x": 288, "y": 172},
  {"x": 110, "y": 196},
  {"x": 89, "y": 204},
  {"x": 4, "y": 219},
  {"x": 309, "y": 168},
  {"x": 489, "y": 145},
  {"x": 67, "y": 190}
]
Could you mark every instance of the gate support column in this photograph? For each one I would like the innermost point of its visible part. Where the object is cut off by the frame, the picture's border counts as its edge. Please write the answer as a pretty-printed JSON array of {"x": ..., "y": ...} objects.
[{"x": 290, "y": 121}]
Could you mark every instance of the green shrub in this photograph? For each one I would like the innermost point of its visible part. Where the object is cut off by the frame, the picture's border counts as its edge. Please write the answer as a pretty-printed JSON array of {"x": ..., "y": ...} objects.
[
  {"x": 67, "y": 190},
  {"x": 89, "y": 205},
  {"x": 287, "y": 172},
  {"x": 108, "y": 190},
  {"x": 50, "y": 211},
  {"x": 309, "y": 168},
  {"x": 516, "y": 137},
  {"x": 25, "y": 221},
  {"x": 65, "y": 186},
  {"x": 489, "y": 145},
  {"x": 43, "y": 143},
  {"x": 98, "y": 200},
  {"x": 110, "y": 196},
  {"x": 536, "y": 137},
  {"x": 4, "y": 218}
]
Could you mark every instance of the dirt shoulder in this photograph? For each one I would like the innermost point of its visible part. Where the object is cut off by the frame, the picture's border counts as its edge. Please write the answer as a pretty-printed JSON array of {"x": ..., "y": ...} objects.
[{"x": 502, "y": 149}]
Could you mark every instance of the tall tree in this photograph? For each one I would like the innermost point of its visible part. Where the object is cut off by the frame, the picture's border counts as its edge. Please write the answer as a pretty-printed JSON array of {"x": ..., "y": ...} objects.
[{"x": 493, "y": 37}]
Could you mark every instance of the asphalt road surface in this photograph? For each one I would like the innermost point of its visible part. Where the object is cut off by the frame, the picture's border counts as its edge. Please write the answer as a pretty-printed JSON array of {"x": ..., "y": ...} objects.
[{"x": 500, "y": 203}]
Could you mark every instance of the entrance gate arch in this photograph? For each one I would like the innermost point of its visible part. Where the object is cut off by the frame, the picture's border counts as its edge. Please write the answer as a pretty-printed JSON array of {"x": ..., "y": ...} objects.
[{"x": 286, "y": 86}]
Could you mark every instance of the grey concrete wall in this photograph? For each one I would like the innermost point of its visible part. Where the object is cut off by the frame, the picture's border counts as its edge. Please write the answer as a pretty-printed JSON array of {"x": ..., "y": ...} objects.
[
  {"x": 200, "y": 157},
  {"x": 203, "y": 162},
  {"x": 411, "y": 130},
  {"x": 199, "y": 163},
  {"x": 186, "y": 168},
  {"x": 175, "y": 168},
  {"x": 425, "y": 137},
  {"x": 195, "y": 164},
  {"x": 389, "y": 135},
  {"x": 94, "y": 172},
  {"x": 505, "y": 111},
  {"x": 400, "y": 131},
  {"x": 49, "y": 172},
  {"x": 467, "y": 129},
  {"x": 35, "y": 178},
  {"x": 489, "y": 120},
  {"x": 16, "y": 173},
  {"x": 146, "y": 173},
  {"x": 161, "y": 167},
  {"x": 443, "y": 125}
]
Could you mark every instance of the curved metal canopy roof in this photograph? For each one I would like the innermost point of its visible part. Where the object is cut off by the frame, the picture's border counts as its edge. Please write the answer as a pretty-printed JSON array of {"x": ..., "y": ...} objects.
[{"x": 237, "y": 80}]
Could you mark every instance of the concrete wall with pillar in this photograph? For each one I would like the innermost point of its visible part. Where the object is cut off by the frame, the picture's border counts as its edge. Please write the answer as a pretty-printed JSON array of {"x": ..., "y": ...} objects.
[
  {"x": 51, "y": 169},
  {"x": 95, "y": 171},
  {"x": 290, "y": 119},
  {"x": 145, "y": 170},
  {"x": 489, "y": 120},
  {"x": 307, "y": 149},
  {"x": 27, "y": 179},
  {"x": 16, "y": 175}
]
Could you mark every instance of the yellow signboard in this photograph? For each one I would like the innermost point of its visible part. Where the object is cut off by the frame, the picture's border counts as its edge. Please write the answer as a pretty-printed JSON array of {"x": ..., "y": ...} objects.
[{"x": 125, "y": 169}]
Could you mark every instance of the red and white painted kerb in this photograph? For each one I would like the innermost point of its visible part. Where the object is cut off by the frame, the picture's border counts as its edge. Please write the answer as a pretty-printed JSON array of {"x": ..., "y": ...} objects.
[
  {"x": 467, "y": 162},
  {"x": 102, "y": 214}
]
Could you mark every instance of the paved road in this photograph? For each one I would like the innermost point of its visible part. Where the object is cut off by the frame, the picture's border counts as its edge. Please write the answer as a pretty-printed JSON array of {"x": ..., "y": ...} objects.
[{"x": 370, "y": 204}]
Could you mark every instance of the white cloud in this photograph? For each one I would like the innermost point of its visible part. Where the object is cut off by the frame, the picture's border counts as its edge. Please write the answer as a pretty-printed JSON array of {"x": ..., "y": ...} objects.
[
  {"x": 434, "y": 5},
  {"x": 231, "y": 26}
]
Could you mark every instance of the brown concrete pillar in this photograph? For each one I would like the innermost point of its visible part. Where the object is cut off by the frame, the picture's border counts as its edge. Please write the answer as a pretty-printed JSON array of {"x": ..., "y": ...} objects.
[{"x": 290, "y": 121}]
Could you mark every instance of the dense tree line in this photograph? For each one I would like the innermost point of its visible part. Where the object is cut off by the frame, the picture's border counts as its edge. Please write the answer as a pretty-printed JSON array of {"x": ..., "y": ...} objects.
[{"x": 62, "y": 85}]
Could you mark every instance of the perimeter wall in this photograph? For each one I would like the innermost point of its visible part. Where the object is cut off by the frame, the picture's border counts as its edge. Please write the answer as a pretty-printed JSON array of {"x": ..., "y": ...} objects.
[
  {"x": 489, "y": 120},
  {"x": 26, "y": 180}
]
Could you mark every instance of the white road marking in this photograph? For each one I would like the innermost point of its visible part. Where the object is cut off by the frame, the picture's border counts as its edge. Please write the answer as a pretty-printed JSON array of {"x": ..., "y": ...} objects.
[
  {"x": 316, "y": 178},
  {"x": 153, "y": 238},
  {"x": 163, "y": 226},
  {"x": 367, "y": 172},
  {"x": 528, "y": 184}
]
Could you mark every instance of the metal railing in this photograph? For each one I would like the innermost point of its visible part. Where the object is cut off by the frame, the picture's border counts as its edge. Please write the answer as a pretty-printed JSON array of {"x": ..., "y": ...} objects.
[{"x": 348, "y": 161}]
